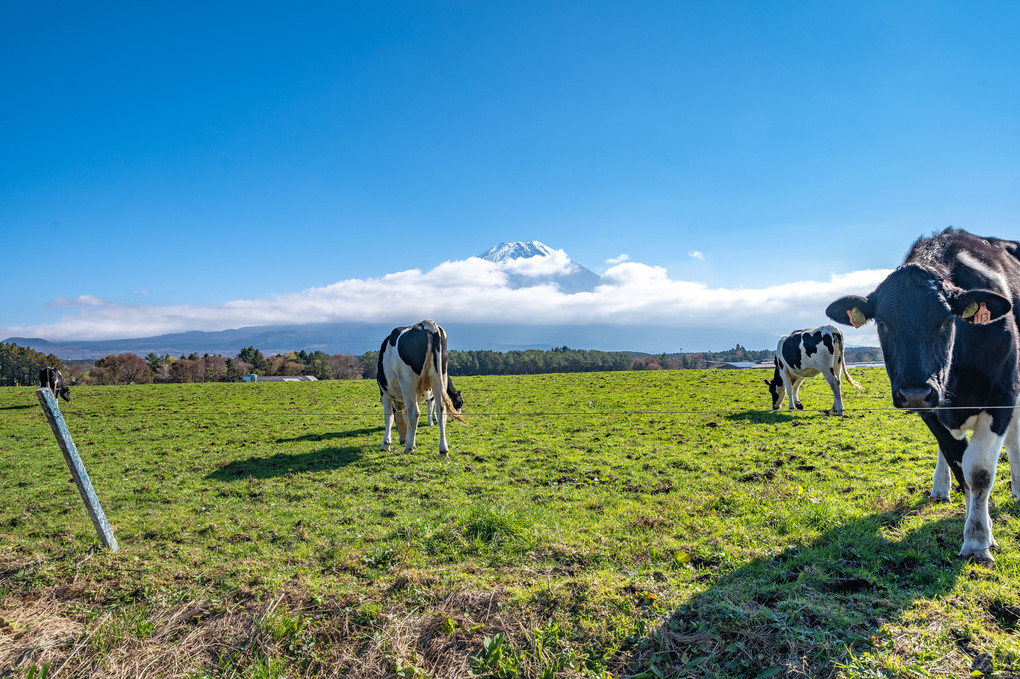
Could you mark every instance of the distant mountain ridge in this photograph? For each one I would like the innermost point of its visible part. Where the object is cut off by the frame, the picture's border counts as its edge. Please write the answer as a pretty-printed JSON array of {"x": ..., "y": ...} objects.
[{"x": 357, "y": 338}]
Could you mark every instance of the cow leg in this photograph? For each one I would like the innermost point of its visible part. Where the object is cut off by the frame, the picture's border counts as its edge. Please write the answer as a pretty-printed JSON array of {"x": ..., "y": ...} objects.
[
  {"x": 430, "y": 406},
  {"x": 409, "y": 390},
  {"x": 788, "y": 386},
  {"x": 795, "y": 394},
  {"x": 387, "y": 408},
  {"x": 979, "y": 462},
  {"x": 1013, "y": 454},
  {"x": 412, "y": 413},
  {"x": 438, "y": 391},
  {"x": 942, "y": 481},
  {"x": 837, "y": 394}
]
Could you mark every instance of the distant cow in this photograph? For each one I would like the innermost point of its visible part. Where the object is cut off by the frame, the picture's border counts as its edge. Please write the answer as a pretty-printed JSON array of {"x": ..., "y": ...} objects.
[
  {"x": 430, "y": 401},
  {"x": 54, "y": 381},
  {"x": 806, "y": 353},
  {"x": 412, "y": 361},
  {"x": 947, "y": 320}
]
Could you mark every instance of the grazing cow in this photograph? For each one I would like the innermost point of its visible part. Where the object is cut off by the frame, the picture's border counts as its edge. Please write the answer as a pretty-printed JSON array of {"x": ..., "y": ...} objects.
[
  {"x": 430, "y": 401},
  {"x": 806, "y": 353},
  {"x": 54, "y": 381},
  {"x": 412, "y": 360},
  {"x": 947, "y": 320}
]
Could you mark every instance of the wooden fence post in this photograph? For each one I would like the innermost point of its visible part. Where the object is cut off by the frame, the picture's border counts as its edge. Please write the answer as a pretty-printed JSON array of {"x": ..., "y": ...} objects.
[{"x": 74, "y": 463}]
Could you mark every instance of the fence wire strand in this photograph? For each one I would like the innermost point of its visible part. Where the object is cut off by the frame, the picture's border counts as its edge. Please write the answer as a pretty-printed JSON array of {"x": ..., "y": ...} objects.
[{"x": 520, "y": 413}]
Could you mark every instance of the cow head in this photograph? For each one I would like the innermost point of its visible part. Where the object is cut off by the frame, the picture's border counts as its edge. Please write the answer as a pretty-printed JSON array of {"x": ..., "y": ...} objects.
[
  {"x": 776, "y": 388},
  {"x": 917, "y": 315},
  {"x": 455, "y": 396},
  {"x": 64, "y": 393}
]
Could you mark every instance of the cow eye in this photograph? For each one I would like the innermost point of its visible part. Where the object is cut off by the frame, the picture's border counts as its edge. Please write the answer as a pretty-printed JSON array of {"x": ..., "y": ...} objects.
[{"x": 880, "y": 326}]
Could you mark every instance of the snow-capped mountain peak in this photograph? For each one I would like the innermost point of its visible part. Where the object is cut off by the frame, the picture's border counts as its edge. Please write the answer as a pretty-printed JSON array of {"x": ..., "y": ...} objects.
[
  {"x": 517, "y": 250},
  {"x": 518, "y": 259}
]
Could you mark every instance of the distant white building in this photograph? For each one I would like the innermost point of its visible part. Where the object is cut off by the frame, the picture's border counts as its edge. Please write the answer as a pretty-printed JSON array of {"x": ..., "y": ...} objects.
[
  {"x": 284, "y": 378},
  {"x": 739, "y": 365}
]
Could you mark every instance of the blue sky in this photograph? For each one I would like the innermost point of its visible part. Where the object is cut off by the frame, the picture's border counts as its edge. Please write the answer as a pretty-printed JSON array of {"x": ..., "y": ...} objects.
[{"x": 189, "y": 165}]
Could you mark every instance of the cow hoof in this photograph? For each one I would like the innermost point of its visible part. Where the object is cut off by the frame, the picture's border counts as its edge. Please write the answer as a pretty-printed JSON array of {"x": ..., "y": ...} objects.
[
  {"x": 385, "y": 447},
  {"x": 979, "y": 555},
  {"x": 800, "y": 406},
  {"x": 939, "y": 496}
]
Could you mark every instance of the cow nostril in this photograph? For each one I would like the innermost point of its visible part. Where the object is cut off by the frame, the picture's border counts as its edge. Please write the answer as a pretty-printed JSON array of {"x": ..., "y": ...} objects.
[{"x": 920, "y": 396}]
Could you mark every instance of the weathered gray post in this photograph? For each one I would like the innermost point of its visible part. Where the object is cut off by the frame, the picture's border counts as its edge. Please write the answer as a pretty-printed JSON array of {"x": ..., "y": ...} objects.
[{"x": 81, "y": 477}]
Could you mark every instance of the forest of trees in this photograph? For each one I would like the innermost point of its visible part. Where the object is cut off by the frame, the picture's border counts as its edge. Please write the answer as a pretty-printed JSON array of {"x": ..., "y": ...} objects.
[
  {"x": 535, "y": 361},
  {"x": 20, "y": 366},
  {"x": 133, "y": 369}
]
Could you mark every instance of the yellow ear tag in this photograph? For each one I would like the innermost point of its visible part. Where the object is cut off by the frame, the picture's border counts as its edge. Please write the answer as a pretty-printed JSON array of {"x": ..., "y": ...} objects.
[
  {"x": 970, "y": 310},
  {"x": 857, "y": 318}
]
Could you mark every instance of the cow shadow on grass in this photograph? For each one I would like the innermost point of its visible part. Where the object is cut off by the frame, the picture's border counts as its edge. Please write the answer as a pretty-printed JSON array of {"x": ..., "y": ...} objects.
[
  {"x": 333, "y": 435},
  {"x": 762, "y": 416},
  {"x": 281, "y": 464},
  {"x": 805, "y": 610}
]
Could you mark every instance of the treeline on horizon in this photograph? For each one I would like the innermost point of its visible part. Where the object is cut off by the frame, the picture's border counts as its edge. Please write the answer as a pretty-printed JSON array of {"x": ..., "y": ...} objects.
[{"x": 21, "y": 365}]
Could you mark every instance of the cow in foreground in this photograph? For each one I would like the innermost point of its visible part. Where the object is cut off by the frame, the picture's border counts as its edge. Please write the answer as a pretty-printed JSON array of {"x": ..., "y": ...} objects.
[
  {"x": 947, "y": 320},
  {"x": 54, "y": 381},
  {"x": 806, "y": 353},
  {"x": 412, "y": 361}
]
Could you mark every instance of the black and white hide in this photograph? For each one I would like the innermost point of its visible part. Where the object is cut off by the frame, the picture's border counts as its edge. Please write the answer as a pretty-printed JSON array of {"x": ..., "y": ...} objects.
[
  {"x": 412, "y": 361},
  {"x": 54, "y": 381},
  {"x": 806, "y": 353},
  {"x": 947, "y": 320}
]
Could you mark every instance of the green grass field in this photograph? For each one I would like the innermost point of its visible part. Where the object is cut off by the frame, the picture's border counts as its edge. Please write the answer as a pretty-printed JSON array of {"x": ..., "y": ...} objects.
[{"x": 634, "y": 524}]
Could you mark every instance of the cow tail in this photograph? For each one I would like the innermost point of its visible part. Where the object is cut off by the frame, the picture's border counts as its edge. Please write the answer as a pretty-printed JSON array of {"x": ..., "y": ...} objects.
[
  {"x": 841, "y": 357},
  {"x": 439, "y": 358},
  {"x": 425, "y": 380},
  {"x": 846, "y": 374}
]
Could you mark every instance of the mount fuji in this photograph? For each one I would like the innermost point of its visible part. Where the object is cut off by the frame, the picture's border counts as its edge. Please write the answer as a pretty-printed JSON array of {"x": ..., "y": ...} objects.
[{"x": 552, "y": 266}]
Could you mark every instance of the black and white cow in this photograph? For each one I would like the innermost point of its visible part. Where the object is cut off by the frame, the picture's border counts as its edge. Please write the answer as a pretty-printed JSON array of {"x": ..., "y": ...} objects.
[
  {"x": 806, "y": 353},
  {"x": 947, "y": 320},
  {"x": 430, "y": 401},
  {"x": 412, "y": 361},
  {"x": 54, "y": 381}
]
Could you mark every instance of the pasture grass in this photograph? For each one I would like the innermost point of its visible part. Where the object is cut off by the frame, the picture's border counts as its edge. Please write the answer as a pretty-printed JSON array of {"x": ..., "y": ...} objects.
[{"x": 634, "y": 524}]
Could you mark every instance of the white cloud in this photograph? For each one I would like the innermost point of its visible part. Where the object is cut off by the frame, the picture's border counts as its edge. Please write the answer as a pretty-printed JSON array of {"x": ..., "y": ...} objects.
[
  {"x": 696, "y": 254},
  {"x": 618, "y": 259},
  {"x": 476, "y": 290},
  {"x": 556, "y": 262},
  {"x": 79, "y": 301}
]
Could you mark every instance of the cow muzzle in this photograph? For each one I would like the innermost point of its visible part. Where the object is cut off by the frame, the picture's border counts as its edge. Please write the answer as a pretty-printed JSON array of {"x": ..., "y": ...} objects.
[{"x": 916, "y": 397}]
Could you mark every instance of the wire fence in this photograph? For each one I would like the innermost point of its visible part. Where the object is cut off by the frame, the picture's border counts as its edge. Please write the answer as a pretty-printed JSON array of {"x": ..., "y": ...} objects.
[{"x": 525, "y": 413}]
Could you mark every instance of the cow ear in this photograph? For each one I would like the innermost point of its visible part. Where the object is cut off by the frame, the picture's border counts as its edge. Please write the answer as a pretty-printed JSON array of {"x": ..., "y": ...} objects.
[
  {"x": 968, "y": 305},
  {"x": 851, "y": 310}
]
